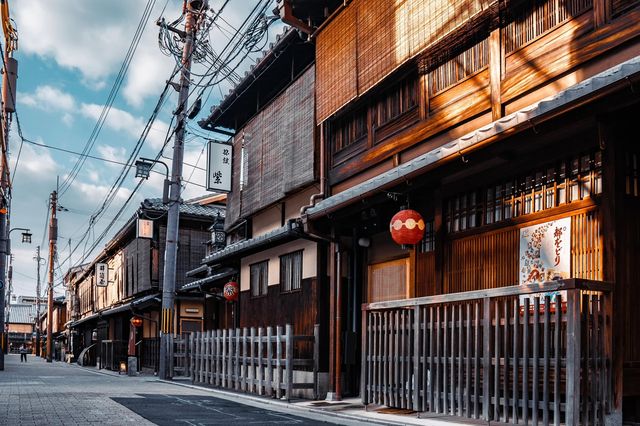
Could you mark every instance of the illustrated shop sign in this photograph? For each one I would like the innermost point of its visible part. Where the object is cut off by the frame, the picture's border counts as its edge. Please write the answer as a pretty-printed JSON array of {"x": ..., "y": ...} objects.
[
  {"x": 102, "y": 275},
  {"x": 545, "y": 252}
]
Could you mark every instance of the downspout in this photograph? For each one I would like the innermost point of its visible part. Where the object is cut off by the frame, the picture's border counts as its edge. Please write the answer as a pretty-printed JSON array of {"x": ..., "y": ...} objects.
[
  {"x": 323, "y": 184},
  {"x": 338, "y": 360}
]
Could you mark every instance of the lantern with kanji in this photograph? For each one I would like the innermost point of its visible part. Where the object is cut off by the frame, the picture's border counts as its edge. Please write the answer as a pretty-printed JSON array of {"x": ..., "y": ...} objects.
[
  {"x": 136, "y": 321},
  {"x": 407, "y": 227},
  {"x": 231, "y": 291}
]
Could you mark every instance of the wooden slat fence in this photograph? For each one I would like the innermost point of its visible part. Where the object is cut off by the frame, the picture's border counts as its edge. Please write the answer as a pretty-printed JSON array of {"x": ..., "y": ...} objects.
[
  {"x": 253, "y": 360},
  {"x": 509, "y": 355}
]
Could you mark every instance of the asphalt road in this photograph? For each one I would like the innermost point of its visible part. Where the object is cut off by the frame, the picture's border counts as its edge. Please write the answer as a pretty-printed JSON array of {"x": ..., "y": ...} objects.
[{"x": 38, "y": 393}]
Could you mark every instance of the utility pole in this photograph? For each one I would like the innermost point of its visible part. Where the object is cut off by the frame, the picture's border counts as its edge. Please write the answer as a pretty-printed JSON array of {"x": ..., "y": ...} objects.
[
  {"x": 53, "y": 236},
  {"x": 194, "y": 10},
  {"x": 38, "y": 294}
]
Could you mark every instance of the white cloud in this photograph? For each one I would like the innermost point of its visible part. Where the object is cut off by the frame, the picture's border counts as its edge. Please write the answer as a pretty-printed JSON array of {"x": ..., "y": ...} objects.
[
  {"x": 93, "y": 39},
  {"x": 123, "y": 121},
  {"x": 112, "y": 153},
  {"x": 49, "y": 98},
  {"x": 67, "y": 119},
  {"x": 34, "y": 161},
  {"x": 95, "y": 192}
]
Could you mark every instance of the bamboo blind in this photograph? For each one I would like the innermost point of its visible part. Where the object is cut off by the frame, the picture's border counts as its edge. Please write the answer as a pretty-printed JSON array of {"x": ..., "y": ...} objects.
[
  {"x": 279, "y": 151},
  {"x": 336, "y": 64},
  {"x": 388, "y": 280},
  {"x": 372, "y": 38}
]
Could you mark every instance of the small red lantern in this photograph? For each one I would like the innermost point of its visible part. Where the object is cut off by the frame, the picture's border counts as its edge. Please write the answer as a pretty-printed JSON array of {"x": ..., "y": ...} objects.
[
  {"x": 136, "y": 322},
  {"x": 231, "y": 291},
  {"x": 407, "y": 227}
]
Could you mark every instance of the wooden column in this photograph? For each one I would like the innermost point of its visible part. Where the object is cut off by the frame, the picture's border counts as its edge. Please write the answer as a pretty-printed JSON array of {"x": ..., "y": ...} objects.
[
  {"x": 331, "y": 267},
  {"x": 613, "y": 185},
  {"x": 601, "y": 12},
  {"x": 495, "y": 73},
  {"x": 439, "y": 229}
]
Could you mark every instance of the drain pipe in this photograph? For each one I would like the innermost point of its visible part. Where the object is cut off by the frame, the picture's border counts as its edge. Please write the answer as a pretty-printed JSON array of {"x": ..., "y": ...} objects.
[{"x": 323, "y": 183}]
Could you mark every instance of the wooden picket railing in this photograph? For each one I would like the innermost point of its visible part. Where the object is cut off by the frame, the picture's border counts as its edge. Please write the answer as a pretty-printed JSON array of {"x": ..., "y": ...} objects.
[
  {"x": 510, "y": 355},
  {"x": 253, "y": 360}
]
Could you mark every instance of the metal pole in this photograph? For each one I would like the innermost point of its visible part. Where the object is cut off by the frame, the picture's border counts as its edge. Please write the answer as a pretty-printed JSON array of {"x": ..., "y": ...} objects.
[
  {"x": 4, "y": 212},
  {"x": 38, "y": 293},
  {"x": 53, "y": 236},
  {"x": 171, "y": 247}
]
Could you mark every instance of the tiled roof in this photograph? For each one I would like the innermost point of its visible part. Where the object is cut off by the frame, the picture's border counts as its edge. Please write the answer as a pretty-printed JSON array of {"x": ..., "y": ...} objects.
[
  {"x": 22, "y": 313},
  {"x": 525, "y": 116},
  {"x": 190, "y": 209}
]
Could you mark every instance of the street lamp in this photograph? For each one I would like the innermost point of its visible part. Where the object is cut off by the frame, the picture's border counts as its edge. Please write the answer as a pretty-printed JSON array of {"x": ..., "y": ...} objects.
[
  {"x": 6, "y": 248},
  {"x": 143, "y": 170}
]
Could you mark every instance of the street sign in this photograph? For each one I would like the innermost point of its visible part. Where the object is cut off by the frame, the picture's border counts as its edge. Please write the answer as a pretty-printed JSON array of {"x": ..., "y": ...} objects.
[
  {"x": 219, "y": 157},
  {"x": 102, "y": 275},
  {"x": 145, "y": 228}
]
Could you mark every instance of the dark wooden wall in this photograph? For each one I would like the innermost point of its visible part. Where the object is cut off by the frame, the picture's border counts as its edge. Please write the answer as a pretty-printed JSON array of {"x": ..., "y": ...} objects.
[{"x": 279, "y": 148}]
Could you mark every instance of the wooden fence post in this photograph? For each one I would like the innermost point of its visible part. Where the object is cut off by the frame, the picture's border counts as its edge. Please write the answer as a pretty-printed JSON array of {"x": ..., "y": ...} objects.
[
  {"x": 316, "y": 358},
  {"x": 364, "y": 361},
  {"x": 192, "y": 371},
  {"x": 486, "y": 358},
  {"x": 417, "y": 354},
  {"x": 236, "y": 369},
  {"x": 218, "y": 358},
  {"x": 269, "y": 366},
  {"x": 245, "y": 373},
  {"x": 289, "y": 361},
  {"x": 279, "y": 380},
  {"x": 254, "y": 374},
  {"x": 230, "y": 335},
  {"x": 573, "y": 358}
]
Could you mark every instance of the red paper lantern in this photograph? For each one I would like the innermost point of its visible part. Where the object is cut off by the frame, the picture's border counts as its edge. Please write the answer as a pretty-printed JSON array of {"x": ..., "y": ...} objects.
[
  {"x": 407, "y": 227},
  {"x": 231, "y": 291},
  {"x": 136, "y": 321}
]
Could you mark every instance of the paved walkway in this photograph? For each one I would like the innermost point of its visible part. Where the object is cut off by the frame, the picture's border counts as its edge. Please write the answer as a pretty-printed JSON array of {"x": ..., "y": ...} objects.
[{"x": 38, "y": 393}]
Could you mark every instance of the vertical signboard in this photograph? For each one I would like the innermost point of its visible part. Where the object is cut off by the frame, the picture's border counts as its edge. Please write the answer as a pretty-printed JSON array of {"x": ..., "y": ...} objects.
[
  {"x": 219, "y": 155},
  {"x": 545, "y": 254},
  {"x": 144, "y": 228},
  {"x": 102, "y": 275}
]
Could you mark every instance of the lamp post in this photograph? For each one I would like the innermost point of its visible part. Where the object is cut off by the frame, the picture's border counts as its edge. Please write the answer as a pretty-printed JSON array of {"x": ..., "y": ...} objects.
[
  {"x": 143, "y": 170},
  {"x": 26, "y": 238},
  {"x": 5, "y": 250}
]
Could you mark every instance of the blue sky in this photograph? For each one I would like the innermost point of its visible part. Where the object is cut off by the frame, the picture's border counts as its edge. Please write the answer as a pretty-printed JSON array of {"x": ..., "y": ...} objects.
[{"x": 69, "y": 53}]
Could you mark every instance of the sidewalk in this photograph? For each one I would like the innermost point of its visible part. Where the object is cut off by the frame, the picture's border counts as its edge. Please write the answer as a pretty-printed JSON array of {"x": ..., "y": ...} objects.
[{"x": 347, "y": 411}]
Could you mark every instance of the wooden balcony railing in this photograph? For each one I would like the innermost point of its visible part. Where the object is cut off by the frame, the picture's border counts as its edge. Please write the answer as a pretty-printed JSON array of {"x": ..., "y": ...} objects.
[{"x": 535, "y": 354}]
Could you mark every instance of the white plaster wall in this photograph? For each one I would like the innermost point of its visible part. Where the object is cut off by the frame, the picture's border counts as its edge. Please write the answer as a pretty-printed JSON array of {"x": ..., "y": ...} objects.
[{"x": 309, "y": 260}]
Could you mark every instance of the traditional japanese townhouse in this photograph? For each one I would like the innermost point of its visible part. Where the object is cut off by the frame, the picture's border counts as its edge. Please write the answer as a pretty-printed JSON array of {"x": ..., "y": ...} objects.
[
  {"x": 59, "y": 332},
  {"x": 509, "y": 126},
  {"x": 133, "y": 285},
  {"x": 270, "y": 117},
  {"x": 21, "y": 321}
]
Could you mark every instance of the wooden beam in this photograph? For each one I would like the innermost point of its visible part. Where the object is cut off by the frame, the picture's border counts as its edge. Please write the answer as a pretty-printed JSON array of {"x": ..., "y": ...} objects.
[{"x": 495, "y": 73}]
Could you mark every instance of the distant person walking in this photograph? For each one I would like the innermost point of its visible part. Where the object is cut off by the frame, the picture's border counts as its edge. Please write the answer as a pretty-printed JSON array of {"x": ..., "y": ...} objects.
[{"x": 23, "y": 353}]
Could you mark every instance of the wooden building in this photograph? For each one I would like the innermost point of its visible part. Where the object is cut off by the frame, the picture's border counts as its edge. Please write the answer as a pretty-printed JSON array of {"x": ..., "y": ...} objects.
[
  {"x": 59, "y": 332},
  {"x": 21, "y": 321},
  {"x": 101, "y": 314},
  {"x": 270, "y": 115},
  {"x": 498, "y": 121}
]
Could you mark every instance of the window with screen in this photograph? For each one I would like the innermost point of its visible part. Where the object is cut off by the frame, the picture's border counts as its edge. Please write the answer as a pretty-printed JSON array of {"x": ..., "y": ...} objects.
[
  {"x": 291, "y": 271},
  {"x": 259, "y": 278}
]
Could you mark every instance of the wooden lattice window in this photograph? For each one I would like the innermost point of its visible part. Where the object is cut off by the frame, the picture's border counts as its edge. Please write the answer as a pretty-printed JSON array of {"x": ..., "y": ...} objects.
[
  {"x": 259, "y": 278},
  {"x": 401, "y": 98},
  {"x": 453, "y": 70},
  {"x": 349, "y": 129},
  {"x": 536, "y": 17},
  {"x": 566, "y": 181},
  {"x": 428, "y": 242},
  {"x": 620, "y": 6},
  {"x": 291, "y": 271}
]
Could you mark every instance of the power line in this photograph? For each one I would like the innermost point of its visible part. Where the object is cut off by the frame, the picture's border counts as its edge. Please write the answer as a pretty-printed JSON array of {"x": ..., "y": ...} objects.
[{"x": 66, "y": 184}]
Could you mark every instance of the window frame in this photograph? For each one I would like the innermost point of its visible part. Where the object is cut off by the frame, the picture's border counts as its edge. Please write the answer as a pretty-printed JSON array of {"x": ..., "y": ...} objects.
[
  {"x": 284, "y": 258},
  {"x": 262, "y": 285}
]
